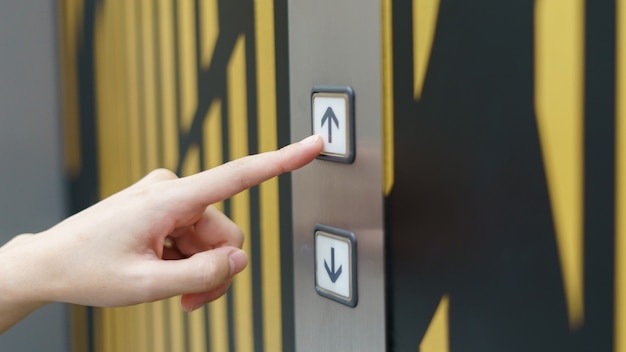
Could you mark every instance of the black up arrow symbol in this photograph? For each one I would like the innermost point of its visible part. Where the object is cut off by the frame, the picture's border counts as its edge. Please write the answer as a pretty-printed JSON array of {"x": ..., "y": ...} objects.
[
  {"x": 329, "y": 116},
  {"x": 334, "y": 275}
]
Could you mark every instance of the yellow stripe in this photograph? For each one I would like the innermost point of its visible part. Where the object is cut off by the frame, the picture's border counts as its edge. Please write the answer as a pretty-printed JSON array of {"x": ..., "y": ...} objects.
[
  {"x": 138, "y": 333},
  {"x": 437, "y": 337},
  {"x": 133, "y": 328},
  {"x": 149, "y": 82},
  {"x": 209, "y": 27},
  {"x": 102, "y": 330},
  {"x": 119, "y": 117},
  {"x": 113, "y": 341},
  {"x": 126, "y": 109},
  {"x": 218, "y": 325},
  {"x": 388, "y": 151},
  {"x": 187, "y": 63},
  {"x": 157, "y": 328},
  {"x": 424, "y": 24},
  {"x": 107, "y": 318},
  {"x": 176, "y": 329},
  {"x": 197, "y": 328},
  {"x": 168, "y": 83},
  {"x": 134, "y": 129},
  {"x": 191, "y": 163},
  {"x": 116, "y": 339},
  {"x": 240, "y": 204},
  {"x": 620, "y": 177},
  {"x": 559, "y": 75},
  {"x": 212, "y": 132},
  {"x": 268, "y": 191}
]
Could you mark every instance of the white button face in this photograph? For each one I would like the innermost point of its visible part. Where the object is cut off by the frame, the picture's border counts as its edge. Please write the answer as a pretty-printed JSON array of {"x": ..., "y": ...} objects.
[
  {"x": 334, "y": 264},
  {"x": 332, "y": 118}
]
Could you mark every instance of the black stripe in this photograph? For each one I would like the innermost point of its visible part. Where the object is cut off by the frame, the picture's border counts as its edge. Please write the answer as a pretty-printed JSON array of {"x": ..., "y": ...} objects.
[
  {"x": 253, "y": 142},
  {"x": 186, "y": 324},
  {"x": 166, "y": 325},
  {"x": 284, "y": 181},
  {"x": 149, "y": 319},
  {"x": 207, "y": 324},
  {"x": 228, "y": 212},
  {"x": 231, "y": 321},
  {"x": 84, "y": 189},
  {"x": 599, "y": 174}
]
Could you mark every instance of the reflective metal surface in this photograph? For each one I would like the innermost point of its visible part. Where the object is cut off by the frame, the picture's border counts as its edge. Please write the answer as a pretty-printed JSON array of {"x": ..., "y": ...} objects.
[{"x": 337, "y": 43}]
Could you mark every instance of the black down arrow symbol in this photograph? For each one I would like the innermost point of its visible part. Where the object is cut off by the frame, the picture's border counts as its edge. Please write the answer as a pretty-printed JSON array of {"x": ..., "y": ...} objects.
[{"x": 334, "y": 275}]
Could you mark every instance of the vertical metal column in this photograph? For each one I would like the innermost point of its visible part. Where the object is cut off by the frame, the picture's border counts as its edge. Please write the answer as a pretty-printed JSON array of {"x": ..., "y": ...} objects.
[{"x": 338, "y": 43}]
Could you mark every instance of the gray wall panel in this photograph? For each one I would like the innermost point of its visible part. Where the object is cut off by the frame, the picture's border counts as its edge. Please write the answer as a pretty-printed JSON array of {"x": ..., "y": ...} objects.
[{"x": 31, "y": 178}]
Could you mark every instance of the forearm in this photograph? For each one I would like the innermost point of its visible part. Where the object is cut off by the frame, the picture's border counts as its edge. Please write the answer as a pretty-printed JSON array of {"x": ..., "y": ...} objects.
[{"x": 18, "y": 286}]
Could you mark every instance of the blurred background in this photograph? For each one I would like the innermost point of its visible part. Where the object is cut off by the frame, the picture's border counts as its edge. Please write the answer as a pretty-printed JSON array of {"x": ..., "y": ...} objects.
[{"x": 33, "y": 193}]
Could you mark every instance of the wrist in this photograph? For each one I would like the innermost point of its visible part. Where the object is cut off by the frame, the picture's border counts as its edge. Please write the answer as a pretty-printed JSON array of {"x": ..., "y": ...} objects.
[{"x": 20, "y": 284}]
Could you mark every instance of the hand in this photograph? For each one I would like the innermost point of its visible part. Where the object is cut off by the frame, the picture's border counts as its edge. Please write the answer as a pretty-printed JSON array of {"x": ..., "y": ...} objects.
[{"x": 116, "y": 252}]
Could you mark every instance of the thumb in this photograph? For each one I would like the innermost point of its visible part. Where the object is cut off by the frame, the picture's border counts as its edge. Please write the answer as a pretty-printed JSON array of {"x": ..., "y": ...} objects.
[{"x": 203, "y": 271}]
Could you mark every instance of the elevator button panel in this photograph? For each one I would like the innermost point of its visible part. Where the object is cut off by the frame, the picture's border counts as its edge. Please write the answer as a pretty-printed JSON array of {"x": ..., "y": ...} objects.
[
  {"x": 335, "y": 264},
  {"x": 332, "y": 117}
]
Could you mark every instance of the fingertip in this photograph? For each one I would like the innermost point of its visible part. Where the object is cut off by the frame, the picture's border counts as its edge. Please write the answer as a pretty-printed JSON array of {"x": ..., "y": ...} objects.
[
  {"x": 314, "y": 139},
  {"x": 238, "y": 261},
  {"x": 306, "y": 150}
]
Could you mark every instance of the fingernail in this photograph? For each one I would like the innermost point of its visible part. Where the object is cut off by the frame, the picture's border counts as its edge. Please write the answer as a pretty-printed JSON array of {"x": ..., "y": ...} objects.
[
  {"x": 310, "y": 139},
  {"x": 198, "y": 305},
  {"x": 238, "y": 260}
]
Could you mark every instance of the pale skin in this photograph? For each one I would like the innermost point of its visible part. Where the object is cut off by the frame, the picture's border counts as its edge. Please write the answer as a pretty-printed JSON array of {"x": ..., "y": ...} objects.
[{"x": 159, "y": 238}]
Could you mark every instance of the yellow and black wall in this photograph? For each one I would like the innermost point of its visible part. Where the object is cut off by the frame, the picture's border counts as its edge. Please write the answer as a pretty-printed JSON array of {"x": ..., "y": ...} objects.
[
  {"x": 506, "y": 217},
  {"x": 184, "y": 85},
  {"x": 505, "y": 202}
]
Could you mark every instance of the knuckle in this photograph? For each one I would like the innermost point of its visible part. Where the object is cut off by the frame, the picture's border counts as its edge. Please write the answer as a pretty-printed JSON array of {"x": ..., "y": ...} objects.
[{"x": 162, "y": 174}]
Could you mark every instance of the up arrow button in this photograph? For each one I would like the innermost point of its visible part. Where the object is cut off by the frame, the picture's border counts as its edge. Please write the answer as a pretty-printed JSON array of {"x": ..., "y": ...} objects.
[
  {"x": 332, "y": 114},
  {"x": 335, "y": 264},
  {"x": 329, "y": 116}
]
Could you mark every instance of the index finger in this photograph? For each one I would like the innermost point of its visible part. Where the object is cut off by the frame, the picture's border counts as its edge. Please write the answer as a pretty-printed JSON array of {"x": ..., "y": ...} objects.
[{"x": 224, "y": 181}]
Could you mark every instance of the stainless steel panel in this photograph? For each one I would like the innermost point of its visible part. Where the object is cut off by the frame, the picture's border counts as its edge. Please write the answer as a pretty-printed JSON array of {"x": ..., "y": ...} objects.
[{"x": 338, "y": 42}]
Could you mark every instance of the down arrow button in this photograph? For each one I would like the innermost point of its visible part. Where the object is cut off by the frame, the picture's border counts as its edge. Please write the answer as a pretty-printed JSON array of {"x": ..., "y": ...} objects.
[{"x": 332, "y": 274}]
